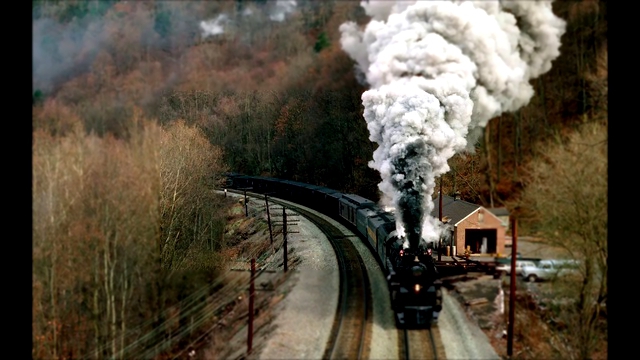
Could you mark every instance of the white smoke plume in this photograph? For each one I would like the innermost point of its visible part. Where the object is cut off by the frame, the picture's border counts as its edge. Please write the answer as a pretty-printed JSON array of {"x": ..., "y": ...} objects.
[
  {"x": 281, "y": 8},
  {"x": 437, "y": 72},
  {"x": 215, "y": 26},
  {"x": 62, "y": 49},
  {"x": 277, "y": 12}
]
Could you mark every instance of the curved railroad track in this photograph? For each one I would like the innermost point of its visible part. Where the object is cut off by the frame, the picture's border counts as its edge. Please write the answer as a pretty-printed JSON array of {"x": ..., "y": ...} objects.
[{"x": 350, "y": 336}]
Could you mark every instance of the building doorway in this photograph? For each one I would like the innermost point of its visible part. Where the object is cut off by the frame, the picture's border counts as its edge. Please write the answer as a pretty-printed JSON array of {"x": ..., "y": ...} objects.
[{"x": 481, "y": 241}]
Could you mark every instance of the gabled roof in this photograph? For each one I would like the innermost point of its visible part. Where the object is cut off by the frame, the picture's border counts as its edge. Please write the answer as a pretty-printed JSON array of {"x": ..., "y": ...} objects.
[{"x": 454, "y": 209}]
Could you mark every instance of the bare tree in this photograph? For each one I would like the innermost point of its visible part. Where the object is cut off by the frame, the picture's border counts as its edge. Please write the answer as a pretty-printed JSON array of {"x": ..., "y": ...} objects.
[
  {"x": 565, "y": 202},
  {"x": 97, "y": 218},
  {"x": 189, "y": 165}
]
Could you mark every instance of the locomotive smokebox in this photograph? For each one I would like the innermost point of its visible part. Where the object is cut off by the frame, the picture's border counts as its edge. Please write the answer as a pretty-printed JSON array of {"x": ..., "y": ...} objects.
[{"x": 414, "y": 242}]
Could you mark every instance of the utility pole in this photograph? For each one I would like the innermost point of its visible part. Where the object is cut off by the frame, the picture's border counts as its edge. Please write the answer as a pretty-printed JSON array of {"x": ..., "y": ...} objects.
[
  {"x": 440, "y": 218},
  {"x": 285, "y": 233},
  {"x": 512, "y": 286},
  {"x": 266, "y": 201},
  {"x": 246, "y": 209},
  {"x": 252, "y": 294}
]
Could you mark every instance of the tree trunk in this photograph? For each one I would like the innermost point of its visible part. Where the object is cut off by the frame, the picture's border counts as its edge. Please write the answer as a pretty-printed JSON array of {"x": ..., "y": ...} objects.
[
  {"x": 123, "y": 306},
  {"x": 516, "y": 144},
  {"x": 107, "y": 292},
  {"x": 112, "y": 301},
  {"x": 499, "y": 148},
  {"x": 488, "y": 174},
  {"x": 54, "y": 308},
  {"x": 453, "y": 179},
  {"x": 96, "y": 313},
  {"x": 543, "y": 103}
]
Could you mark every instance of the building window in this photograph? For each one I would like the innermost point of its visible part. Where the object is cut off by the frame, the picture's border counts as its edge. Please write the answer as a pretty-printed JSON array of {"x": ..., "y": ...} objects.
[{"x": 481, "y": 216}]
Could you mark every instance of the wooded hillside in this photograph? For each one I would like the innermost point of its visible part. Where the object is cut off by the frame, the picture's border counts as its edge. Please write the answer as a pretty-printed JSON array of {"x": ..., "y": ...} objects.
[
  {"x": 140, "y": 106},
  {"x": 275, "y": 95}
]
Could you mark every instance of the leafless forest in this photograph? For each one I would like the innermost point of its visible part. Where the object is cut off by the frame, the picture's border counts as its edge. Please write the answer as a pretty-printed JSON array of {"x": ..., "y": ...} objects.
[{"x": 139, "y": 107}]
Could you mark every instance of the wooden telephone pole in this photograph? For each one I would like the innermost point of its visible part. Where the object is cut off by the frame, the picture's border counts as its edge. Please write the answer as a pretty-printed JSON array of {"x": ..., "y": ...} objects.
[
  {"x": 285, "y": 232},
  {"x": 266, "y": 204},
  {"x": 440, "y": 218},
  {"x": 252, "y": 294},
  {"x": 246, "y": 209},
  {"x": 512, "y": 286}
]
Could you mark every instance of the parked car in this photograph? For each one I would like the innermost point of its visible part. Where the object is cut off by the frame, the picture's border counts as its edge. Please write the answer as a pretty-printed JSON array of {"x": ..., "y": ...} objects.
[
  {"x": 505, "y": 268},
  {"x": 548, "y": 269}
]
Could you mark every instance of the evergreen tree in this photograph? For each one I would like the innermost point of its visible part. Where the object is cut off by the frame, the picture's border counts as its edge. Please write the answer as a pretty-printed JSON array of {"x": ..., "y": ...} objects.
[{"x": 322, "y": 42}]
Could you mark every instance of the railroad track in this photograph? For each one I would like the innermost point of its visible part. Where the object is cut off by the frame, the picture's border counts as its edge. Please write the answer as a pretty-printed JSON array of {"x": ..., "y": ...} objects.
[
  {"x": 351, "y": 332},
  {"x": 420, "y": 344},
  {"x": 350, "y": 336}
]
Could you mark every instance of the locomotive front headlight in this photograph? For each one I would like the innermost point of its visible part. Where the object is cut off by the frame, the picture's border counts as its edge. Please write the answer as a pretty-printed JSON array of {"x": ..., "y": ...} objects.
[{"x": 417, "y": 287}]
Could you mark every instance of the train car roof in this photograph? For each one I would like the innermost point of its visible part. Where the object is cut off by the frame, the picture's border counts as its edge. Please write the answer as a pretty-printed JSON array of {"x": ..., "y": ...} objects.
[
  {"x": 378, "y": 214},
  {"x": 300, "y": 184},
  {"x": 356, "y": 199},
  {"x": 266, "y": 178},
  {"x": 329, "y": 191},
  {"x": 322, "y": 189}
]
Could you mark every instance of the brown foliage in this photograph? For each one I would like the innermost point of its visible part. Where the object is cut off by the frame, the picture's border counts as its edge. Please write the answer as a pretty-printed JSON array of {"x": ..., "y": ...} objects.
[
  {"x": 189, "y": 169},
  {"x": 97, "y": 222},
  {"x": 266, "y": 56},
  {"x": 55, "y": 118},
  {"x": 80, "y": 223},
  {"x": 565, "y": 202},
  {"x": 101, "y": 202}
]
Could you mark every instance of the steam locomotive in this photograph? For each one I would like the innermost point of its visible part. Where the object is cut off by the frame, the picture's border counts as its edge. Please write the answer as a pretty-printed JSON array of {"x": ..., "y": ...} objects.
[{"x": 412, "y": 276}]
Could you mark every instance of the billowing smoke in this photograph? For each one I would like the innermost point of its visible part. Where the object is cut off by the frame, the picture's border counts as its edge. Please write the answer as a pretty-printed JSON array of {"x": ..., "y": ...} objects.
[
  {"x": 61, "y": 49},
  {"x": 437, "y": 72},
  {"x": 281, "y": 8},
  {"x": 64, "y": 47},
  {"x": 214, "y": 26},
  {"x": 277, "y": 11}
]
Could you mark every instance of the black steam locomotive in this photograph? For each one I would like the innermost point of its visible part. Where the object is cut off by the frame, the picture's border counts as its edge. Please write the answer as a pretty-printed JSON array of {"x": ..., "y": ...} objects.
[{"x": 412, "y": 276}]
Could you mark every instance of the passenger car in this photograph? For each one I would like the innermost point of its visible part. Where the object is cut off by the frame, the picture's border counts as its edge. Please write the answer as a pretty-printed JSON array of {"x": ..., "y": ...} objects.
[{"x": 549, "y": 269}]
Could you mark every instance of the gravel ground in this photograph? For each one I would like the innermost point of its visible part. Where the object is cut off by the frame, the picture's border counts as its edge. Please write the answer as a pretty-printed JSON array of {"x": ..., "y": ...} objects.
[
  {"x": 462, "y": 338},
  {"x": 305, "y": 316}
]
